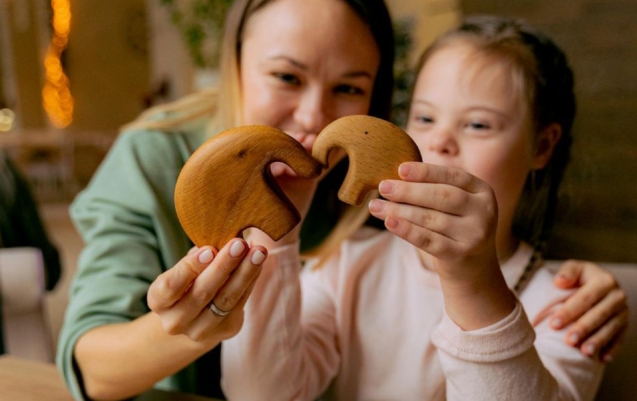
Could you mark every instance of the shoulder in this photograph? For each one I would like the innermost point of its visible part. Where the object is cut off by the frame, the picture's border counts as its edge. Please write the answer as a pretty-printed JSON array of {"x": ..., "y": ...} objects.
[{"x": 541, "y": 296}]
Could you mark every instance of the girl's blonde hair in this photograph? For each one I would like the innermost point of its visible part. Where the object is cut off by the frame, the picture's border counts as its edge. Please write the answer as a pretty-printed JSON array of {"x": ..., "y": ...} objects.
[{"x": 540, "y": 75}]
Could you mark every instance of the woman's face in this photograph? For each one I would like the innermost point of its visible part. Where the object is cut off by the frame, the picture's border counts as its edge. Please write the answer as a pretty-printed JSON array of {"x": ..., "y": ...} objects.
[
  {"x": 466, "y": 115},
  {"x": 305, "y": 63}
]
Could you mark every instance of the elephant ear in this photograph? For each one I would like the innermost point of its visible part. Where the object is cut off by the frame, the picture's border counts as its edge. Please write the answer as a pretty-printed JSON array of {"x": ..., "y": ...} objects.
[
  {"x": 226, "y": 185},
  {"x": 375, "y": 148}
]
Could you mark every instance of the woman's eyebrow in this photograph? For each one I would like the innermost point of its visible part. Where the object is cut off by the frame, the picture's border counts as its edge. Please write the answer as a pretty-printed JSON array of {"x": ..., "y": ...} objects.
[{"x": 290, "y": 60}]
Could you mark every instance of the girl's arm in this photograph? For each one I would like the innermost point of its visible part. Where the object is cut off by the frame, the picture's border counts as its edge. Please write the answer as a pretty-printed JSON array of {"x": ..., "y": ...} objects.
[
  {"x": 276, "y": 356},
  {"x": 121, "y": 360}
]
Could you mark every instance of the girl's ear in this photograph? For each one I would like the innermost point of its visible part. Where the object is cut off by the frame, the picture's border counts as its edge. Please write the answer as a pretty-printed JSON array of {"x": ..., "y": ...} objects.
[{"x": 546, "y": 141}]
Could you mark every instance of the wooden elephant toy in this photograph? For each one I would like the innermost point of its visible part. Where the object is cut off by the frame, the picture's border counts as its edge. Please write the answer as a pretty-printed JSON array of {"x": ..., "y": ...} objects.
[
  {"x": 226, "y": 185},
  {"x": 375, "y": 148}
]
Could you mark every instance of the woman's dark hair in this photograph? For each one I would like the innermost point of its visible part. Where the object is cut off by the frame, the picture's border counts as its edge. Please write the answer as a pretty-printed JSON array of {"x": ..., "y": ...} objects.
[{"x": 547, "y": 81}]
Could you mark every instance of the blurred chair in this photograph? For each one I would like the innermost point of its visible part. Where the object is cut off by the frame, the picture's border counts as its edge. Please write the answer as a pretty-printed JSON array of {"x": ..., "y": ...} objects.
[
  {"x": 620, "y": 378},
  {"x": 26, "y": 330}
]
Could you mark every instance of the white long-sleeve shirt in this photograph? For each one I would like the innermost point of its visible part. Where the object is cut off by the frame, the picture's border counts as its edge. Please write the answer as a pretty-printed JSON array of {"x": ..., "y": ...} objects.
[{"x": 370, "y": 325}]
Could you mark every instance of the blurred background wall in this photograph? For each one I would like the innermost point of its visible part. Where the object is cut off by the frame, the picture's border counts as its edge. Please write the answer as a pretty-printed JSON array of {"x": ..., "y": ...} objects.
[{"x": 121, "y": 56}]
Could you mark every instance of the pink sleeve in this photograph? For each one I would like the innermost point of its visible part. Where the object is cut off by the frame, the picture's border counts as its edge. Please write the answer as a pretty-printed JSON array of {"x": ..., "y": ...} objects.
[
  {"x": 501, "y": 362},
  {"x": 275, "y": 356}
]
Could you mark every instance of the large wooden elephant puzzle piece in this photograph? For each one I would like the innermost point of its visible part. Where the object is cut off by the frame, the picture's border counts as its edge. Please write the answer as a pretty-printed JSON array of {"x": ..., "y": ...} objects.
[{"x": 226, "y": 186}]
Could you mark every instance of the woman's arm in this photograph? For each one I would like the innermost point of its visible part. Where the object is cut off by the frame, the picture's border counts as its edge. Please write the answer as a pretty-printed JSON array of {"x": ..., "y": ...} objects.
[{"x": 123, "y": 359}]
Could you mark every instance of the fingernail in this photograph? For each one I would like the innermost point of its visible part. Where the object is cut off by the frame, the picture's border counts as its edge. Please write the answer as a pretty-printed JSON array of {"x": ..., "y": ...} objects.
[
  {"x": 590, "y": 349},
  {"x": 391, "y": 222},
  {"x": 257, "y": 258},
  {"x": 206, "y": 257},
  {"x": 237, "y": 249},
  {"x": 556, "y": 323},
  {"x": 573, "y": 338},
  {"x": 376, "y": 206},
  {"x": 608, "y": 358},
  {"x": 404, "y": 170},
  {"x": 386, "y": 187}
]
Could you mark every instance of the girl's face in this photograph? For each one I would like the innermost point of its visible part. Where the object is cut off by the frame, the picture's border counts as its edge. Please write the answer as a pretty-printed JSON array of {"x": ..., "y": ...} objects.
[
  {"x": 305, "y": 63},
  {"x": 466, "y": 115}
]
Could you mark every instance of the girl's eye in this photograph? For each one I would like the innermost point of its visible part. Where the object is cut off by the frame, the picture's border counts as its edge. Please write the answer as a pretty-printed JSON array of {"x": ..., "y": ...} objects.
[
  {"x": 287, "y": 78},
  {"x": 478, "y": 125},
  {"x": 348, "y": 90}
]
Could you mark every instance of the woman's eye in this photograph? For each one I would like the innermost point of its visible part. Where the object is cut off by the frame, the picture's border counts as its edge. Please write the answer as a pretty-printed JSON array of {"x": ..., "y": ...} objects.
[
  {"x": 424, "y": 119},
  {"x": 348, "y": 90},
  {"x": 287, "y": 78}
]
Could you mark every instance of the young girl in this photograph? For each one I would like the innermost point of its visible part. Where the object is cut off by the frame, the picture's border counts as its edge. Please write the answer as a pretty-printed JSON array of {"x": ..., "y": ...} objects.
[{"x": 451, "y": 302}]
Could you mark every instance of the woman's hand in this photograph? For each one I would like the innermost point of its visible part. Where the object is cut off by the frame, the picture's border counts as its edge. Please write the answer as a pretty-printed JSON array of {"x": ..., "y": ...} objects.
[
  {"x": 451, "y": 215},
  {"x": 183, "y": 296},
  {"x": 599, "y": 305}
]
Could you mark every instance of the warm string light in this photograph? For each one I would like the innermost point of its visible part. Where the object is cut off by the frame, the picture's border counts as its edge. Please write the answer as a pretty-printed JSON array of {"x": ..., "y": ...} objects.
[{"x": 56, "y": 95}]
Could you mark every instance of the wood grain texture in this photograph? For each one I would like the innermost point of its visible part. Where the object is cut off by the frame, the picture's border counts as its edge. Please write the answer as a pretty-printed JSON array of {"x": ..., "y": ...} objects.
[
  {"x": 226, "y": 185},
  {"x": 375, "y": 148}
]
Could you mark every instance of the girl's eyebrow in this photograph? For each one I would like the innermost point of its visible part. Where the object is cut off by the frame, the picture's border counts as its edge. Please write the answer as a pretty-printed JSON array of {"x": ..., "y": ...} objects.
[
  {"x": 301, "y": 66},
  {"x": 489, "y": 109}
]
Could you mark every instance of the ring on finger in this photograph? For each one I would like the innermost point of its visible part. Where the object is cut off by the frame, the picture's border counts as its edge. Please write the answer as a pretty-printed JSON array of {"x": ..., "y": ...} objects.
[{"x": 213, "y": 308}]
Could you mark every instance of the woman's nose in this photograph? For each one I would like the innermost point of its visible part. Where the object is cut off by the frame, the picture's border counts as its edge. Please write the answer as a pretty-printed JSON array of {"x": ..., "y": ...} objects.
[{"x": 312, "y": 111}]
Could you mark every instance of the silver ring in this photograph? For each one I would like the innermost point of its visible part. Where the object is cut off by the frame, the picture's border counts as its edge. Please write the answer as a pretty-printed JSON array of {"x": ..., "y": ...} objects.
[{"x": 213, "y": 308}]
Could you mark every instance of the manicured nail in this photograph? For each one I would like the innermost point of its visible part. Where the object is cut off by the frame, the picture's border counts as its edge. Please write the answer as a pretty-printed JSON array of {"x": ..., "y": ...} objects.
[
  {"x": 206, "y": 257},
  {"x": 386, "y": 187},
  {"x": 376, "y": 206},
  {"x": 257, "y": 258},
  {"x": 404, "y": 170},
  {"x": 237, "y": 249},
  {"x": 556, "y": 323},
  {"x": 574, "y": 338},
  {"x": 590, "y": 349}
]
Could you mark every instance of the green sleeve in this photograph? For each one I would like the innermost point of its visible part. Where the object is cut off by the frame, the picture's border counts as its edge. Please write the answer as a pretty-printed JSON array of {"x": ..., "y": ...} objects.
[{"x": 127, "y": 220}]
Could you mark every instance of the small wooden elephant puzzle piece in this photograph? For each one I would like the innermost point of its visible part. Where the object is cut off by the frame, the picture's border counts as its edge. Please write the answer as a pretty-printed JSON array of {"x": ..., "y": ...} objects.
[{"x": 226, "y": 186}]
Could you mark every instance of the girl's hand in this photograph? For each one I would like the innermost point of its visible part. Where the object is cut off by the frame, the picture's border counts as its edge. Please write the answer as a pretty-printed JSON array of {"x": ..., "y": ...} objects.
[
  {"x": 182, "y": 295},
  {"x": 448, "y": 213},
  {"x": 599, "y": 306},
  {"x": 452, "y": 216}
]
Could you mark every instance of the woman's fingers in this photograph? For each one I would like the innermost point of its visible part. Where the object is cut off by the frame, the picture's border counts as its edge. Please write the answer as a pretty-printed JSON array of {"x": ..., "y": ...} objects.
[
  {"x": 229, "y": 295},
  {"x": 597, "y": 317},
  {"x": 236, "y": 290},
  {"x": 204, "y": 289},
  {"x": 170, "y": 286},
  {"x": 607, "y": 340},
  {"x": 589, "y": 294}
]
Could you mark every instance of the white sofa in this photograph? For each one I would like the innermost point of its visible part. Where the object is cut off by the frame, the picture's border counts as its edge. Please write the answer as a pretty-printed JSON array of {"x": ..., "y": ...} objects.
[{"x": 26, "y": 329}]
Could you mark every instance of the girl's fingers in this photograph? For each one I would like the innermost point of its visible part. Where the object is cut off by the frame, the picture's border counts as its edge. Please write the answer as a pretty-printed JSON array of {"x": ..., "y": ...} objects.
[
  {"x": 607, "y": 338},
  {"x": 170, "y": 286},
  {"x": 229, "y": 295},
  {"x": 598, "y": 315},
  {"x": 422, "y": 238},
  {"x": 442, "y": 197},
  {"x": 431, "y": 173},
  {"x": 432, "y": 220}
]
